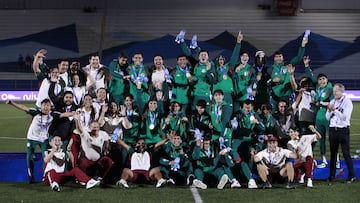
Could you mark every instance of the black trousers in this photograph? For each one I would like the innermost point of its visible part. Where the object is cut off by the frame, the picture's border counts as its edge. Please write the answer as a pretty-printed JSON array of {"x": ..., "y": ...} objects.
[{"x": 340, "y": 136}]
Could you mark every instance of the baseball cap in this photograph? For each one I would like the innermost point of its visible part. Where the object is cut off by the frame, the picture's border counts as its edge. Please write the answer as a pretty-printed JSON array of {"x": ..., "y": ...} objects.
[{"x": 272, "y": 138}]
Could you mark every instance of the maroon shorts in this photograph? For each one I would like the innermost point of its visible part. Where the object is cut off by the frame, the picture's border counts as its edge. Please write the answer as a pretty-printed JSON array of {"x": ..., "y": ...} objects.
[{"x": 139, "y": 175}]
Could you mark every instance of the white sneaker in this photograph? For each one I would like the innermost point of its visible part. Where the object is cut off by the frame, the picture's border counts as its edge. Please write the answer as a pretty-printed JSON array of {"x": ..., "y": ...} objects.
[
  {"x": 235, "y": 184},
  {"x": 309, "y": 183},
  {"x": 122, "y": 183},
  {"x": 302, "y": 179},
  {"x": 199, "y": 184},
  {"x": 55, "y": 186},
  {"x": 338, "y": 165},
  {"x": 252, "y": 184},
  {"x": 223, "y": 180},
  {"x": 171, "y": 181},
  {"x": 92, "y": 183},
  {"x": 160, "y": 182},
  {"x": 322, "y": 165}
]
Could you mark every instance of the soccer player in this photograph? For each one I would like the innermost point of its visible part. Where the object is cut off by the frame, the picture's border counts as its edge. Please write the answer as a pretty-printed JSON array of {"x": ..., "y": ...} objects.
[
  {"x": 38, "y": 134},
  {"x": 302, "y": 145},
  {"x": 55, "y": 172},
  {"x": 119, "y": 82},
  {"x": 140, "y": 164},
  {"x": 274, "y": 160}
]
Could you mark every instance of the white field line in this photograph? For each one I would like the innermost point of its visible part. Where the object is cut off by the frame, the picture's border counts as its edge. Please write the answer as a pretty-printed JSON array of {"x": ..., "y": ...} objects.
[{"x": 196, "y": 195}]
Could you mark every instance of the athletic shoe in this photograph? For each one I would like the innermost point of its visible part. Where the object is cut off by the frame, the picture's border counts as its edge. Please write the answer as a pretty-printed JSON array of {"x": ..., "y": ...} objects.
[
  {"x": 92, "y": 183},
  {"x": 190, "y": 179},
  {"x": 55, "y": 187},
  {"x": 235, "y": 184},
  {"x": 350, "y": 180},
  {"x": 223, "y": 180},
  {"x": 309, "y": 183},
  {"x": 199, "y": 184},
  {"x": 322, "y": 165},
  {"x": 122, "y": 183},
  {"x": 302, "y": 179},
  {"x": 252, "y": 184},
  {"x": 267, "y": 185},
  {"x": 160, "y": 182},
  {"x": 290, "y": 185},
  {"x": 170, "y": 181},
  {"x": 338, "y": 164}
]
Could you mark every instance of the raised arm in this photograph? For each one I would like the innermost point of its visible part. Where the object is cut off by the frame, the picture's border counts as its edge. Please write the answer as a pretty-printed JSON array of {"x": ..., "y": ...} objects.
[
  {"x": 297, "y": 59},
  {"x": 236, "y": 52},
  {"x": 18, "y": 106},
  {"x": 38, "y": 59}
]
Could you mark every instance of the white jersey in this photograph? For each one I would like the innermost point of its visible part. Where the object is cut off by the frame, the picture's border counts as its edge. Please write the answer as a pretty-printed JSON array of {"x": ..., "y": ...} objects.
[
  {"x": 65, "y": 77},
  {"x": 57, "y": 162},
  {"x": 39, "y": 127},
  {"x": 93, "y": 146},
  {"x": 140, "y": 161},
  {"x": 303, "y": 145},
  {"x": 98, "y": 77},
  {"x": 79, "y": 93},
  {"x": 275, "y": 159},
  {"x": 158, "y": 77}
]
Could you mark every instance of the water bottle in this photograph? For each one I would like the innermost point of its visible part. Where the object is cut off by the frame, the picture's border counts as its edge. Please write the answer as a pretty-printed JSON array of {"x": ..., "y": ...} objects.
[
  {"x": 199, "y": 135},
  {"x": 176, "y": 165},
  {"x": 357, "y": 151},
  {"x": 235, "y": 123},
  {"x": 355, "y": 156},
  {"x": 167, "y": 76},
  {"x": 115, "y": 135},
  {"x": 222, "y": 143},
  {"x": 180, "y": 37},
  {"x": 307, "y": 33},
  {"x": 193, "y": 44}
]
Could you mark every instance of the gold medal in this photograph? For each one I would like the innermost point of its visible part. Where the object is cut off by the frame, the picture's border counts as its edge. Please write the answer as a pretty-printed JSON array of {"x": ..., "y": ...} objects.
[
  {"x": 151, "y": 126},
  {"x": 217, "y": 121},
  {"x": 188, "y": 75},
  {"x": 224, "y": 77}
]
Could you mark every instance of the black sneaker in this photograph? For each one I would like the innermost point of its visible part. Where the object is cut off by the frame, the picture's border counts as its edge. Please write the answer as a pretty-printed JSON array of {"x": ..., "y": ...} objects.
[
  {"x": 290, "y": 185},
  {"x": 350, "y": 180},
  {"x": 190, "y": 179},
  {"x": 267, "y": 185}
]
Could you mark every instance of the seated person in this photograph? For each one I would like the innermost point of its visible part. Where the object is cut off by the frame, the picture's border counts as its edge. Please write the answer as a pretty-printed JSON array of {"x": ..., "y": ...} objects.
[
  {"x": 140, "y": 164},
  {"x": 55, "y": 173},
  {"x": 274, "y": 160}
]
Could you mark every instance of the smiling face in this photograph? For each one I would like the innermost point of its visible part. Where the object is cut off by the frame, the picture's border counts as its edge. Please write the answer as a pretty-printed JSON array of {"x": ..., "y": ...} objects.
[
  {"x": 152, "y": 106},
  {"x": 203, "y": 56},
  {"x": 45, "y": 108},
  {"x": 322, "y": 81},
  {"x": 244, "y": 58},
  {"x": 94, "y": 128},
  {"x": 158, "y": 62},
  {"x": 128, "y": 103},
  {"x": 182, "y": 61},
  {"x": 68, "y": 99},
  {"x": 94, "y": 61},
  {"x": 294, "y": 134},
  {"x": 137, "y": 59},
  {"x": 278, "y": 58},
  {"x": 56, "y": 142}
]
